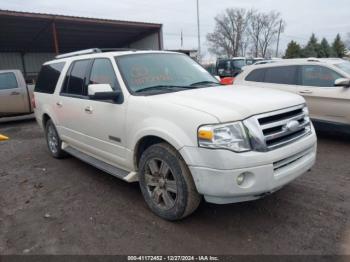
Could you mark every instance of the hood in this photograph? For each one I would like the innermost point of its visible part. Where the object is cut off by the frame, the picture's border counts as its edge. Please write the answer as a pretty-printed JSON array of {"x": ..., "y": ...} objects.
[{"x": 232, "y": 103}]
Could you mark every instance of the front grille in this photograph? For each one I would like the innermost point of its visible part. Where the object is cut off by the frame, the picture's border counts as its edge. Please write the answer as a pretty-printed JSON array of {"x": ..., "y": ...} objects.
[
  {"x": 284, "y": 126},
  {"x": 276, "y": 129}
]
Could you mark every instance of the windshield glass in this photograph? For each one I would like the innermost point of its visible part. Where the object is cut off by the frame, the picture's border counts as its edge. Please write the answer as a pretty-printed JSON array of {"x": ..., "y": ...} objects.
[
  {"x": 345, "y": 66},
  {"x": 163, "y": 72},
  {"x": 239, "y": 63}
]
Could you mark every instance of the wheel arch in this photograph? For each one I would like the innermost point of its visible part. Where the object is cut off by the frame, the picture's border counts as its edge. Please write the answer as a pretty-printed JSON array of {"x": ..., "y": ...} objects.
[
  {"x": 146, "y": 141},
  {"x": 44, "y": 119}
]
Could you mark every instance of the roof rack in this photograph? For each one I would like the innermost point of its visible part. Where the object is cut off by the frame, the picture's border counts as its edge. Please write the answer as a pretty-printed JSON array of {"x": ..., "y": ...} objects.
[
  {"x": 81, "y": 52},
  {"x": 104, "y": 50},
  {"x": 94, "y": 51}
]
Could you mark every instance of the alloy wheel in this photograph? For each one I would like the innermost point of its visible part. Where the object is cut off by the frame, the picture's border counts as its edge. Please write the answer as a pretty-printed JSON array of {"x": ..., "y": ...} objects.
[{"x": 161, "y": 183}]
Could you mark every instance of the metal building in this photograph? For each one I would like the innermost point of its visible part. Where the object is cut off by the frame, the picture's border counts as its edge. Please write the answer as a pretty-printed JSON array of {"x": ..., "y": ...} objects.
[{"x": 27, "y": 40}]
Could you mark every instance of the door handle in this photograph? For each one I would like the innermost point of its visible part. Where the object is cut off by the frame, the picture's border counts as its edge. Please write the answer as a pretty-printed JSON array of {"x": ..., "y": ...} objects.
[
  {"x": 59, "y": 104},
  {"x": 305, "y": 92},
  {"x": 14, "y": 93},
  {"x": 89, "y": 109}
]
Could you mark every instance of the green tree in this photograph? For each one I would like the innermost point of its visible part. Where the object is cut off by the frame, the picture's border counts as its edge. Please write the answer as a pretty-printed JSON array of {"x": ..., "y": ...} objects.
[
  {"x": 313, "y": 48},
  {"x": 325, "y": 48},
  {"x": 339, "y": 47},
  {"x": 293, "y": 50}
]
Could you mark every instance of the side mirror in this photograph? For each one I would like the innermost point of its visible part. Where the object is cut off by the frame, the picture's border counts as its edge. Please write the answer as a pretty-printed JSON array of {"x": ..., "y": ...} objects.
[
  {"x": 227, "y": 81},
  {"x": 102, "y": 92},
  {"x": 344, "y": 82}
]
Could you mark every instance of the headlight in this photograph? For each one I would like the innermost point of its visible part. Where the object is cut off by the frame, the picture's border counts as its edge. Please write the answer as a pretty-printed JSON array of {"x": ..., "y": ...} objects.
[{"x": 230, "y": 136}]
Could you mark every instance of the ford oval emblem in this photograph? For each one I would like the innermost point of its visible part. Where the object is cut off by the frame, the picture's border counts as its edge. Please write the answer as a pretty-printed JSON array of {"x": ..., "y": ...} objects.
[{"x": 292, "y": 125}]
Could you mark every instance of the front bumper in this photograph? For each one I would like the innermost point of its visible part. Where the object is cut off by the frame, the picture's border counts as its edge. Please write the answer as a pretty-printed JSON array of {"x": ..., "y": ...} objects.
[{"x": 215, "y": 172}]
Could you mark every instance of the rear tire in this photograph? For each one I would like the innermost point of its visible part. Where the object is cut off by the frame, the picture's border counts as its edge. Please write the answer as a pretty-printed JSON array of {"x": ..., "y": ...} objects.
[
  {"x": 54, "y": 143},
  {"x": 166, "y": 183}
]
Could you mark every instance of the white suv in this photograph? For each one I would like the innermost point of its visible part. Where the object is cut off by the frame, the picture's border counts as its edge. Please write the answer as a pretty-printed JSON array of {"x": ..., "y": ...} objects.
[
  {"x": 161, "y": 119},
  {"x": 324, "y": 83}
]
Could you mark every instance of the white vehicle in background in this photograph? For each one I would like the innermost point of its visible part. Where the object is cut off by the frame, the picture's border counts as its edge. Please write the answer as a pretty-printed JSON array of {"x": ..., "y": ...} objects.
[
  {"x": 161, "y": 119},
  {"x": 15, "y": 95},
  {"x": 324, "y": 83}
]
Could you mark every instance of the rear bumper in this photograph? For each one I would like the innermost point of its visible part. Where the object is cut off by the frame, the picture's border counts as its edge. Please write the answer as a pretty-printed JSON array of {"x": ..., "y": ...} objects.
[{"x": 271, "y": 171}]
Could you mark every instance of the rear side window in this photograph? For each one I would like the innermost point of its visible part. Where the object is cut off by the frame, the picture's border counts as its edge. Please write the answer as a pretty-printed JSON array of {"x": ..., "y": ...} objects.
[
  {"x": 8, "y": 81},
  {"x": 76, "y": 78},
  {"x": 286, "y": 75},
  {"x": 102, "y": 72},
  {"x": 256, "y": 75},
  {"x": 48, "y": 78}
]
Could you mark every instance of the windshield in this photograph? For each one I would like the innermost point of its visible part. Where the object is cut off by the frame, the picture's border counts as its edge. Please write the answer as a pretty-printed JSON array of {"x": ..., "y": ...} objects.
[
  {"x": 239, "y": 63},
  {"x": 345, "y": 66},
  {"x": 163, "y": 72}
]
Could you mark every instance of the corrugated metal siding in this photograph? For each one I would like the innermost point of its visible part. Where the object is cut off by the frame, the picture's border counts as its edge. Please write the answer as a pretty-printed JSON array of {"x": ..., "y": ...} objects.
[
  {"x": 33, "y": 61},
  {"x": 10, "y": 61},
  {"x": 150, "y": 42}
]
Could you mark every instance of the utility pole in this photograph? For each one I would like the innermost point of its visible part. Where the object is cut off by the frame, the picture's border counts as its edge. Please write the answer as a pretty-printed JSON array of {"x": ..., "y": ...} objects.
[
  {"x": 199, "y": 33},
  {"x": 182, "y": 39},
  {"x": 278, "y": 39}
]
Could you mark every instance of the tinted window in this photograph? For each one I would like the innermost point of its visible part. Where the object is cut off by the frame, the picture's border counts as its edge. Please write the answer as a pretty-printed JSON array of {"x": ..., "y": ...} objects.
[
  {"x": 102, "y": 72},
  {"x": 239, "y": 63},
  {"x": 75, "y": 79},
  {"x": 286, "y": 75},
  {"x": 256, "y": 75},
  {"x": 8, "y": 81},
  {"x": 230, "y": 64},
  {"x": 48, "y": 78},
  {"x": 318, "y": 76},
  {"x": 224, "y": 64}
]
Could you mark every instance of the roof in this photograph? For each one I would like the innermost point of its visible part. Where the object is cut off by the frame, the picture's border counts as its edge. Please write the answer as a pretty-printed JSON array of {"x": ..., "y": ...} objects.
[
  {"x": 313, "y": 59},
  {"x": 34, "y": 32},
  {"x": 298, "y": 61}
]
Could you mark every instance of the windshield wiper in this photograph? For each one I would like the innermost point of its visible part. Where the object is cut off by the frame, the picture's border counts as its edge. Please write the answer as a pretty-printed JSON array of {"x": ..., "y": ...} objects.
[
  {"x": 162, "y": 87},
  {"x": 203, "y": 83}
]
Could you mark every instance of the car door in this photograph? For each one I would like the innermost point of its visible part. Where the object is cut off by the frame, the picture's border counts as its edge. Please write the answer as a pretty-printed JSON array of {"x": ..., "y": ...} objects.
[
  {"x": 94, "y": 127},
  {"x": 13, "y": 96},
  {"x": 325, "y": 101},
  {"x": 104, "y": 121},
  {"x": 70, "y": 103}
]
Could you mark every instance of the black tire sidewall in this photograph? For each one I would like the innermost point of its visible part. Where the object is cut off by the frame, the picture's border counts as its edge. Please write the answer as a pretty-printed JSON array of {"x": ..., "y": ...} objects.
[{"x": 160, "y": 152}]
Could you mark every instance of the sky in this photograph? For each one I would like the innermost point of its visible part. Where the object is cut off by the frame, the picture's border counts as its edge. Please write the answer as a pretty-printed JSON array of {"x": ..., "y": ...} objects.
[{"x": 325, "y": 18}]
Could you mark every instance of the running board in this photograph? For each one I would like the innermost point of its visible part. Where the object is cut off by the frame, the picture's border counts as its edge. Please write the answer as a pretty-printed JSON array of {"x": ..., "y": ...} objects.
[{"x": 112, "y": 170}]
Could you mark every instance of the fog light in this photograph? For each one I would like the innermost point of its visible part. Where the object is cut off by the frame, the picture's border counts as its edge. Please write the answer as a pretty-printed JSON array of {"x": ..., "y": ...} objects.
[{"x": 240, "y": 179}]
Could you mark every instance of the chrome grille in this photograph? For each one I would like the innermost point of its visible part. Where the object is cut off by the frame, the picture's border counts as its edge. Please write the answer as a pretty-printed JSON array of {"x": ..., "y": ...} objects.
[{"x": 273, "y": 130}]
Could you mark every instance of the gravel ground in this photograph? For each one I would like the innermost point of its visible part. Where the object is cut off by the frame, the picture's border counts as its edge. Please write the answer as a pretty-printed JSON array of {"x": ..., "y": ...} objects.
[{"x": 50, "y": 206}]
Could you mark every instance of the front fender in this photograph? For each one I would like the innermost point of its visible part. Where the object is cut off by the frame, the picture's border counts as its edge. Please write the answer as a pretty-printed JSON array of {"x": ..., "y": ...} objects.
[{"x": 167, "y": 130}]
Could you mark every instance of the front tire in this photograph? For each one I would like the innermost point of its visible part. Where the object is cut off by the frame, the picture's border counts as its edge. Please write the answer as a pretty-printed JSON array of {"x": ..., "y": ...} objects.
[
  {"x": 166, "y": 183},
  {"x": 54, "y": 143}
]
